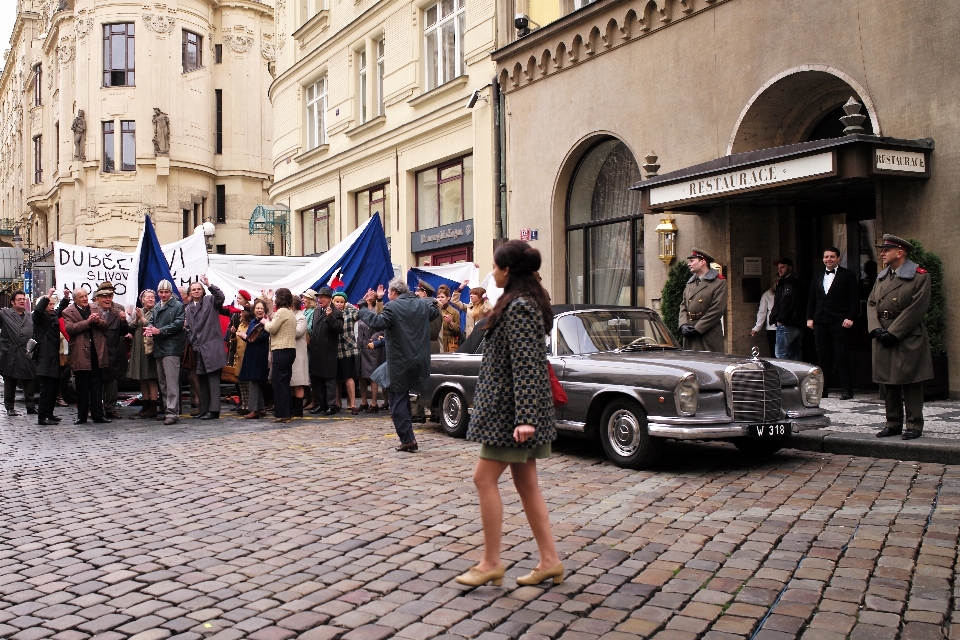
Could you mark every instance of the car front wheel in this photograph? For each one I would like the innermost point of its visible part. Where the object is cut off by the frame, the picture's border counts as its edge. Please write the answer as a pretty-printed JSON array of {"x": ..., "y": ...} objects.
[
  {"x": 623, "y": 433},
  {"x": 453, "y": 413}
]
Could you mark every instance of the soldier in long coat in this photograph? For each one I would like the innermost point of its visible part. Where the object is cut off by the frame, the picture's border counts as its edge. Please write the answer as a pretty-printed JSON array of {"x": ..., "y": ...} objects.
[
  {"x": 115, "y": 330},
  {"x": 324, "y": 339},
  {"x": 16, "y": 365},
  {"x": 901, "y": 349},
  {"x": 703, "y": 305},
  {"x": 206, "y": 337}
]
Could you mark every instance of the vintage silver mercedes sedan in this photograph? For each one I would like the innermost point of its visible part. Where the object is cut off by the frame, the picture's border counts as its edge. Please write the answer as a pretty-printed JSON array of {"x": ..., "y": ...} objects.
[{"x": 630, "y": 385}]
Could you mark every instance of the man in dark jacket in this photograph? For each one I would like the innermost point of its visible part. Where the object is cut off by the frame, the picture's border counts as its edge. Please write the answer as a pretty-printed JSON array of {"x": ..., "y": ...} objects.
[
  {"x": 789, "y": 310},
  {"x": 832, "y": 306},
  {"x": 324, "y": 338},
  {"x": 169, "y": 340},
  {"x": 405, "y": 322},
  {"x": 46, "y": 331},
  {"x": 88, "y": 349},
  {"x": 206, "y": 337},
  {"x": 16, "y": 365}
]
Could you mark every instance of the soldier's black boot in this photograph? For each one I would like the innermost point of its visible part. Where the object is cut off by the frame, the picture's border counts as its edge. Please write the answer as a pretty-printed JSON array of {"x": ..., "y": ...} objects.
[
  {"x": 889, "y": 431},
  {"x": 910, "y": 434}
]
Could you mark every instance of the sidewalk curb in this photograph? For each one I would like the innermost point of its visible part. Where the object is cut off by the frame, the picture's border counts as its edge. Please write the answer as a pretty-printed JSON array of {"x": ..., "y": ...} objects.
[{"x": 938, "y": 450}]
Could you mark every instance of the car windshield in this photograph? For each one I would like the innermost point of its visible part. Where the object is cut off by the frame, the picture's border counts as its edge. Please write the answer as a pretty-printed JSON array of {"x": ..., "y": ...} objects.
[{"x": 611, "y": 330}]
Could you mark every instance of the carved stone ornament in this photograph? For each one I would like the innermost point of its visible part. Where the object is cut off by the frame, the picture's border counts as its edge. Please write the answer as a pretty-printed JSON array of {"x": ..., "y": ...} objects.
[
  {"x": 79, "y": 128},
  {"x": 238, "y": 44},
  {"x": 161, "y": 133},
  {"x": 281, "y": 22},
  {"x": 82, "y": 26},
  {"x": 66, "y": 51},
  {"x": 158, "y": 24},
  {"x": 268, "y": 51},
  {"x": 144, "y": 210}
]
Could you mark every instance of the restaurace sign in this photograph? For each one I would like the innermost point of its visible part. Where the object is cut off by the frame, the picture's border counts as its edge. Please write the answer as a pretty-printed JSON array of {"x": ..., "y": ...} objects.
[
  {"x": 890, "y": 160},
  {"x": 745, "y": 179}
]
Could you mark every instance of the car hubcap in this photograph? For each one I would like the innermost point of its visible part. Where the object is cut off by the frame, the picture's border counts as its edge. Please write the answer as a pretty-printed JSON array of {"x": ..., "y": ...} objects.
[
  {"x": 624, "y": 433},
  {"x": 452, "y": 409}
]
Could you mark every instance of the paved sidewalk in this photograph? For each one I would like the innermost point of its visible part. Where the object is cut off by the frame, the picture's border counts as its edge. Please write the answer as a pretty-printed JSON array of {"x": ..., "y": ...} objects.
[
  {"x": 865, "y": 414},
  {"x": 242, "y": 529}
]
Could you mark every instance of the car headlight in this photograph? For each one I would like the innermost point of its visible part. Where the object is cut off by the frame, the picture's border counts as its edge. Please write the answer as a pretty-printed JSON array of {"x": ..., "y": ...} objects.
[
  {"x": 688, "y": 394},
  {"x": 811, "y": 389}
]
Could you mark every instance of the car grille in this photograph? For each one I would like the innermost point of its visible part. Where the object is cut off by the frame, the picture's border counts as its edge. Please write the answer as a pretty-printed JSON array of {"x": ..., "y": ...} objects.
[{"x": 756, "y": 395}]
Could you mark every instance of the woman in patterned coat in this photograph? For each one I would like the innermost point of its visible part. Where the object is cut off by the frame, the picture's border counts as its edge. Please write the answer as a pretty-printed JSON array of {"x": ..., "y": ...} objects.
[{"x": 513, "y": 417}]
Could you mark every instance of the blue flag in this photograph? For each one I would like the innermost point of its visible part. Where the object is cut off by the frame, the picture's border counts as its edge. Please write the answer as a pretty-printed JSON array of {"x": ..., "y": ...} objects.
[
  {"x": 365, "y": 265},
  {"x": 153, "y": 264},
  {"x": 415, "y": 275}
]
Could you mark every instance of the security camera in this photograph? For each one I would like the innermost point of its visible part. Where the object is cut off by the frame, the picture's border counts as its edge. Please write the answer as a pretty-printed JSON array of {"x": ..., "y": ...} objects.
[
  {"x": 474, "y": 97},
  {"x": 522, "y": 23}
]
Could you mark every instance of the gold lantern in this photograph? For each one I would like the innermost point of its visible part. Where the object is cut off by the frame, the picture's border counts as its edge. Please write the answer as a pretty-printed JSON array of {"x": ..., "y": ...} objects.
[{"x": 667, "y": 231}]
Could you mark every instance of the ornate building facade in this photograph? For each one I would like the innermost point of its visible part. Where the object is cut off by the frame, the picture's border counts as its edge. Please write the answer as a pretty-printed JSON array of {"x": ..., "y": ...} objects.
[
  {"x": 371, "y": 116},
  {"x": 112, "y": 110}
]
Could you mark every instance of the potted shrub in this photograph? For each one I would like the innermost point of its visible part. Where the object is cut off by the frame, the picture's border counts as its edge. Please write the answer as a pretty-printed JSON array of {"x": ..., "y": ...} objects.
[
  {"x": 672, "y": 295},
  {"x": 935, "y": 321}
]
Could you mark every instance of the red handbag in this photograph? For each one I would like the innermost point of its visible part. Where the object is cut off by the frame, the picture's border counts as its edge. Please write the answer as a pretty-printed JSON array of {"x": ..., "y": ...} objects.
[{"x": 559, "y": 395}]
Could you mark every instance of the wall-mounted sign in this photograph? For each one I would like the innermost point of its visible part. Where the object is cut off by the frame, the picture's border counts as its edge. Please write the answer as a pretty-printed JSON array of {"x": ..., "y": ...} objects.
[
  {"x": 752, "y": 267},
  {"x": 449, "y": 235},
  {"x": 745, "y": 179},
  {"x": 529, "y": 234},
  {"x": 899, "y": 161}
]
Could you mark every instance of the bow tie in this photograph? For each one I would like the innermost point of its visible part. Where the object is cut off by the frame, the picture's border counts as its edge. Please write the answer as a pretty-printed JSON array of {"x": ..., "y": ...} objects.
[{"x": 831, "y": 270}]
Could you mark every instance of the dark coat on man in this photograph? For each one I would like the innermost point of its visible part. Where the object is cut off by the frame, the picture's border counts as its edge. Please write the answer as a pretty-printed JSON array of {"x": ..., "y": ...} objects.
[
  {"x": 703, "y": 305},
  {"x": 255, "y": 365},
  {"x": 841, "y": 303},
  {"x": 324, "y": 338},
  {"x": 15, "y": 330},
  {"x": 46, "y": 331},
  {"x": 204, "y": 332},
  {"x": 83, "y": 331},
  {"x": 169, "y": 318},
  {"x": 370, "y": 359},
  {"x": 405, "y": 321},
  {"x": 790, "y": 302},
  {"x": 898, "y": 304},
  {"x": 115, "y": 331}
]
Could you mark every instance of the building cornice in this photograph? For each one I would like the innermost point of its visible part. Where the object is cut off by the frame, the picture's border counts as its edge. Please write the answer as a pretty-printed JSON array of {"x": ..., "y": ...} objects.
[
  {"x": 595, "y": 29},
  {"x": 11, "y": 60},
  {"x": 252, "y": 5}
]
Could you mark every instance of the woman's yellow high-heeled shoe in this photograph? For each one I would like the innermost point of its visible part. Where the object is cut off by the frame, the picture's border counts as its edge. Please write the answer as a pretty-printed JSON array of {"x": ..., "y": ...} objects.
[
  {"x": 536, "y": 577},
  {"x": 475, "y": 578}
]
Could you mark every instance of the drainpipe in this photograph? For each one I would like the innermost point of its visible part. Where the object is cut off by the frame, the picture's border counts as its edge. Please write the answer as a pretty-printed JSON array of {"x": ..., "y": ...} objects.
[{"x": 499, "y": 210}]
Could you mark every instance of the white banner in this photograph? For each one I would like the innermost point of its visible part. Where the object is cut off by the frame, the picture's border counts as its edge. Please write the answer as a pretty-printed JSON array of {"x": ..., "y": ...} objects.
[{"x": 77, "y": 266}]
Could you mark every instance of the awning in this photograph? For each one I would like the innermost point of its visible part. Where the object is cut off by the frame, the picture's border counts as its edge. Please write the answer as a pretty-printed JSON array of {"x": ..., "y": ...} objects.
[{"x": 788, "y": 175}]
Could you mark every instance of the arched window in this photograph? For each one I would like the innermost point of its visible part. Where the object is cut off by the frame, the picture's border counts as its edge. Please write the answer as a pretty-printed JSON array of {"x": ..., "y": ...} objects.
[{"x": 605, "y": 228}]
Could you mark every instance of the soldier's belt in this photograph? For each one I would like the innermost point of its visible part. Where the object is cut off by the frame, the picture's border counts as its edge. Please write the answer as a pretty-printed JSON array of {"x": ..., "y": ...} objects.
[
  {"x": 888, "y": 315},
  {"x": 695, "y": 316}
]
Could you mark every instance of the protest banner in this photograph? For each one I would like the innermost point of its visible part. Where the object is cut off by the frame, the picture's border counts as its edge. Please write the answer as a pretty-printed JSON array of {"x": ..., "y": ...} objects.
[{"x": 76, "y": 266}]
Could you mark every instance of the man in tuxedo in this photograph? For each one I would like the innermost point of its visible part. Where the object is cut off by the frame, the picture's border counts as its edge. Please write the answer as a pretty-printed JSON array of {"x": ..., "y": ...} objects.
[{"x": 832, "y": 306}]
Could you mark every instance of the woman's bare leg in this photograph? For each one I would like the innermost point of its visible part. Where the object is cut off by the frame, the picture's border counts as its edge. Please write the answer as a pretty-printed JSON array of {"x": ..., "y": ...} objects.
[
  {"x": 152, "y": 389},
  {"x": 535, "y": 507},
  {"x": 486, "y": 476},
  {"x": 373, "y": 393}
]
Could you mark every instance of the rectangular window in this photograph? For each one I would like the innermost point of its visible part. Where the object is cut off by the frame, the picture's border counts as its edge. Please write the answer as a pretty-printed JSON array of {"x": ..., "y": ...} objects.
[
  {"x": 374, "y": 200},
  {"x": 316, "y": 113},
  {"x": 221, "y": 249},
  {"x": 186, "y": 223},
  {"x": 118, "y": 55},
  {"x": 379, "y": 87},
  {"x": 56, "y": 148},
  {"x": 317, "y": 226},
  {"x": 217, "y": 53},
  {"x": 192, "y": 51},
  {"x": 443, "y": 34},
  {"x": 221, "y": 203},
  {"x": 362, "y": 84},
  {"x": 445, "y": 194},
  {"x": 109, "y": 166},
  {"x": 219, "y": 96},
  {"x": 37, "y": 87},
  {"x": 128, "y": 145},
  {"x": 37, "y": 160}
]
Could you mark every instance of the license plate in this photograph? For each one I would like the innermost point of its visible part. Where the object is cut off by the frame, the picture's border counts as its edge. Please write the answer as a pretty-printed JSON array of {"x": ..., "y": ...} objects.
[{"x": 768, "y": 430}]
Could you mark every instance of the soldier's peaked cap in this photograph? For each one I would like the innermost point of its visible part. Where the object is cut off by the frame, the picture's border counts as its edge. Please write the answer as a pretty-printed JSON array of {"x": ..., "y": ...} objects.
[
  {"x": 893, "y": 242},
  {"x": 700, "y": 255}
]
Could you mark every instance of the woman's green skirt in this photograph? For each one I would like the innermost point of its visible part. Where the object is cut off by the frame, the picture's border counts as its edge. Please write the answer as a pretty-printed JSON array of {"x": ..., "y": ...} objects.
[{"x": 512, "y": 455}]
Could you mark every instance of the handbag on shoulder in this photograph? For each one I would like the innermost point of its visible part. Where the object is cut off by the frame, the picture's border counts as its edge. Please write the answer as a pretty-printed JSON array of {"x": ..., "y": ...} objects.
[{"x": 559, "y": 395}]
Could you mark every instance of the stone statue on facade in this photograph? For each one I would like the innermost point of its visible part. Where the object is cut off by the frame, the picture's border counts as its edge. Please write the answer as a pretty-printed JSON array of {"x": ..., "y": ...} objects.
[
  {"x": 79, "y": 128},
  {"x": 161, "y": 133}
]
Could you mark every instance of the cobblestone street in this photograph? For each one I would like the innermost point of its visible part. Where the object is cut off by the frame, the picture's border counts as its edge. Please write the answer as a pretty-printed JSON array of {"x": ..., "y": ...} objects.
[{"x": 243, "y": 529}]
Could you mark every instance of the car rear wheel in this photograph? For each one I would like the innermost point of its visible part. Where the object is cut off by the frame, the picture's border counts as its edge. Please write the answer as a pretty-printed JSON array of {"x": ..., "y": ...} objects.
[
  {"x": 623, "y": 433},
  {"x": 453, "y": 413},
  {"x": 760, "y": 447}
]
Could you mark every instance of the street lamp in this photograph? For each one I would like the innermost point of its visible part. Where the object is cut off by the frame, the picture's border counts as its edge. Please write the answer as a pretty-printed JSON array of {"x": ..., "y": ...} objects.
[{"x": 667, "y": 241}]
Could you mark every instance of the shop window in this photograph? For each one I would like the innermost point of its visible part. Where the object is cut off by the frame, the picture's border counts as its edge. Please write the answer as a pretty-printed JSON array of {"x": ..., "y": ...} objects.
[
  {"x": 605, "y": 257},
  {"x": 374, "y": 200},
  {"x": 316, "y": 113},
  {"x": 443, "y": 47},
  {"x": 445, "y": 194},
  {"x": 192, "y": 53},
  {"x": 317, "y": 225},
  {"x": 118, "y": 55}
]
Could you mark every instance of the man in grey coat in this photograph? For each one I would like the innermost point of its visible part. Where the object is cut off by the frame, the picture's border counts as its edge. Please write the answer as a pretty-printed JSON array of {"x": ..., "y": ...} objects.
[
  {"x": 405, "y": 321},
  {"x": 206, "y": 336},
  {"x": 169, "y": 341},
  {"x": 16, "y": 365}
]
